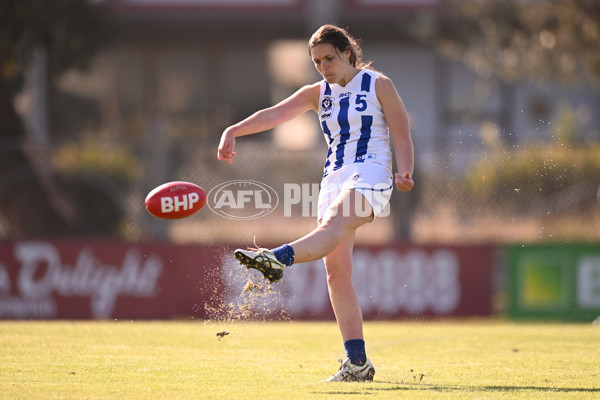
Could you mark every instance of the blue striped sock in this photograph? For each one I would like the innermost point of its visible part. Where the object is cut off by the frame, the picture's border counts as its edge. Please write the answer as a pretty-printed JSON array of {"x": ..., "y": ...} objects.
[{"x": 284, "y": 254}]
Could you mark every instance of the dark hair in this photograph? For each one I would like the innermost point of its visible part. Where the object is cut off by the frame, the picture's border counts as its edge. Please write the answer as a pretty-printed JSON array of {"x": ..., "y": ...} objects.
[{"x": 341, "y": 41}]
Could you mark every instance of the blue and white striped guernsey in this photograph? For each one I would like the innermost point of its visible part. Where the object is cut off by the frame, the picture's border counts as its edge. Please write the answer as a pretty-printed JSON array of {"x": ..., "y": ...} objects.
[{"x": 353, "y": 123}]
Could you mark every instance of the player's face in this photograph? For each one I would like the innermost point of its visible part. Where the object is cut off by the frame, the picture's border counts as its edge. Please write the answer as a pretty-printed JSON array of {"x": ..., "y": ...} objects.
[{"x": 331, "y": 64}]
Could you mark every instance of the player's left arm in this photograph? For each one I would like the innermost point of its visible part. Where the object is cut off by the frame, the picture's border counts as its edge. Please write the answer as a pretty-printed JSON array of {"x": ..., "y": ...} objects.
[{"x": 397, "y": 121}]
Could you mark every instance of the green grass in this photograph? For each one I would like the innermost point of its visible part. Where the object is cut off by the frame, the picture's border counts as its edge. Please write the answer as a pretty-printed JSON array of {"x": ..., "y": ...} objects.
[{"x": 476, "y": 359}]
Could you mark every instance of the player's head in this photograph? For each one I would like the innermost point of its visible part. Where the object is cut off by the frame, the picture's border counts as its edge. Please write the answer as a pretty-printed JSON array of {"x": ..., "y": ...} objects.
[{"x": 341, "y": 41}]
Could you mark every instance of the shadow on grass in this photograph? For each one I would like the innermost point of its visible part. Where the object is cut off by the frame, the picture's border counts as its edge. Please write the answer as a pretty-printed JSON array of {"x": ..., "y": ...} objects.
[{"x": 400, "y": 387}]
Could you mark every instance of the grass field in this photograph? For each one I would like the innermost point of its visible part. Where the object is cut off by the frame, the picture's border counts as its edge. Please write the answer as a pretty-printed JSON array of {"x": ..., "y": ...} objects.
[{"x": 287, "y": 360}]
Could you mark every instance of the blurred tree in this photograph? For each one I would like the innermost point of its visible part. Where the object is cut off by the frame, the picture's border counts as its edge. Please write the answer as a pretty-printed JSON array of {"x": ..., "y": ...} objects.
[
  {"x": 68, "y": 32},
  {"x": 516, "y": 39}
]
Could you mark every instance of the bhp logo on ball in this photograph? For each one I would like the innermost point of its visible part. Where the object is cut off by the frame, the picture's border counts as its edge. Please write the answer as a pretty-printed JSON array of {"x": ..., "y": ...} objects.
[
  {"x": 185, "y": 202},
  {"x": 242, "y": 199}
]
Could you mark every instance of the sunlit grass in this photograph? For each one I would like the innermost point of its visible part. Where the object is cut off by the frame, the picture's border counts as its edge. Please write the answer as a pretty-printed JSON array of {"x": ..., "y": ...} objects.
[{"x": 288, "y": 360}]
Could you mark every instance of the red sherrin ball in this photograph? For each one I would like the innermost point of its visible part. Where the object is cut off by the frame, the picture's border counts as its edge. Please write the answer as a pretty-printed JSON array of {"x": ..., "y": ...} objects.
[{"x": 175, "y": 200}]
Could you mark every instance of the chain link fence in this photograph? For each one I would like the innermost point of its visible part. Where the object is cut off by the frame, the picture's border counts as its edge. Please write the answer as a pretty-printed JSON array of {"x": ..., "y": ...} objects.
[{"x": 477, "y": 195}]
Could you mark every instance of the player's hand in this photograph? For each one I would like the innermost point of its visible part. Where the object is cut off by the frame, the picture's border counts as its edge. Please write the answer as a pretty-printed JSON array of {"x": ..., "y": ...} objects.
[
  {"x": 404, "y": 183},
  {"x": 225, "y": 150}
]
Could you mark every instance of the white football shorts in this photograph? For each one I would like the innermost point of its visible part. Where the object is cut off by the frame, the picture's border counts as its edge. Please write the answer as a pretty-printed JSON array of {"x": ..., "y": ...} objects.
[{"x": 374, "y": 181}]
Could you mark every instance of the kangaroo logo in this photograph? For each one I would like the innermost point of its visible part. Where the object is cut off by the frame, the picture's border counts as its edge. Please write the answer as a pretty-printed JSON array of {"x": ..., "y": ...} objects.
[
  {"x": 327, "y": 103},
  {"x": 326, "y": 107}
]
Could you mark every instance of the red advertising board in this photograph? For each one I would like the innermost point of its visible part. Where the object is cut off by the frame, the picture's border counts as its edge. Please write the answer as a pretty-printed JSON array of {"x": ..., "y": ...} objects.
[
  {"x": 76, "y": 279},
  {"x": 392, "y": 281},
  {"x": 105, "y": 279}
]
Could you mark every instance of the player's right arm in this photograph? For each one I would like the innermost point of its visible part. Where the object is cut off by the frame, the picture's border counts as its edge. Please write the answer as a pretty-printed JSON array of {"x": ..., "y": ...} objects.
[{"x": 303, "y": 100}]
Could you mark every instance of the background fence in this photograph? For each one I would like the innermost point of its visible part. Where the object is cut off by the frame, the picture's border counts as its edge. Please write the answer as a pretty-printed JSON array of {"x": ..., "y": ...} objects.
[{"x": 527, "y": 196}]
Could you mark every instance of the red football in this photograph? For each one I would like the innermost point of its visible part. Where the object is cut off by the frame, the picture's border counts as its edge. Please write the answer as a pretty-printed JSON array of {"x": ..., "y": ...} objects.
[{"x": 174, "y": 200}]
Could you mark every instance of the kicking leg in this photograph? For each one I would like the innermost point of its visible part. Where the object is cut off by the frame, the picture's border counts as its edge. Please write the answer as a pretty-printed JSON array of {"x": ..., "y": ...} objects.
[{"x": 348, "y": 212}]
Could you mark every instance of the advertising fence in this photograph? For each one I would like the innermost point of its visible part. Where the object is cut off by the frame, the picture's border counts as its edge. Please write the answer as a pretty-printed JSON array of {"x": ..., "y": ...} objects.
[
  {"x": 81, "y": 279},
  {"x": 554, "y": 281}
]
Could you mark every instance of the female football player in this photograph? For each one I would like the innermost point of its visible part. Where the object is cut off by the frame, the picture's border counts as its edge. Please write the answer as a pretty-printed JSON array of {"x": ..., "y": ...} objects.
[{"x": 359, "y": 109}]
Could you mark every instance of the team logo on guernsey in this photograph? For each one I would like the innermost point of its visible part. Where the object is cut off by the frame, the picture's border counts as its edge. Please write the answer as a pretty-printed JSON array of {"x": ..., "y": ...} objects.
[{"x": 326, "y": 107}]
